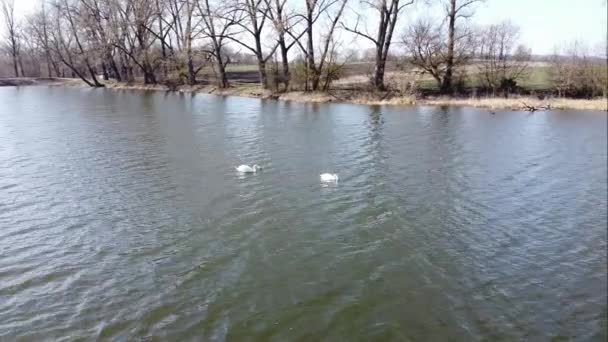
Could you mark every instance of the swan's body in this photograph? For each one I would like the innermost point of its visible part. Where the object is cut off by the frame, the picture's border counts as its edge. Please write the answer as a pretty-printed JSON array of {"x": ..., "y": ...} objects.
[
  {"x": 247, "y": 168},
  {"x": 329, "y": 177}
]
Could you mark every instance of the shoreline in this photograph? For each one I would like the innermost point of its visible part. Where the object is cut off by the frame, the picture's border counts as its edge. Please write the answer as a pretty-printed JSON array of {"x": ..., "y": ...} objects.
[{"x": 519, "y": 103}]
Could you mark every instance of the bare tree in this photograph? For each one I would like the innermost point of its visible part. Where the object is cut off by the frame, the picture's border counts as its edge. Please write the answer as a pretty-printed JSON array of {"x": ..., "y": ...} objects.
[
  {"x": 31, "y": 52},
  {"x": 141, "y": 21},
  {"x": 314, "y": 10},
  {"x": 70, "y": 43},
  {"x": 252, "y": 19},
  {"x": 576, "y": 73},
  {"x": 284, "y": 23},
  {"x": 428, "y": 50},
  {"x": 217, "y": 24},
  {"x": 123, "y": 46},
  {"x": 454, "y": 10},
  {"x": 501, "y": 61},
  {"x": 163, "y": 33},
  {"x": 96, "y": 16},
  {"x": 185, "y": 23},
  {"x": 38, "y": 23},
  {"x": 425, "y": 49},
  {"x": 388, "y": 12},
  {"x": 8, "y": 13},
  {"x": 334, "y": 65}
]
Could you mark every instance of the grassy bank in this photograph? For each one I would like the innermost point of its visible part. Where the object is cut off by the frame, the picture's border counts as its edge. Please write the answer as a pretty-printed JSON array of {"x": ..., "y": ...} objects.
[
  {"x": 353, "y": 85},
  {"x": 28, "y": 81},
  {"x": 340, "y": 96},
  {"x": 372, "y": 98}
]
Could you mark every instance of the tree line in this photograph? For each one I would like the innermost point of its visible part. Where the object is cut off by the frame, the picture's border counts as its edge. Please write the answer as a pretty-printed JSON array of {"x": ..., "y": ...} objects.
[{"x": 175, "y": 41}]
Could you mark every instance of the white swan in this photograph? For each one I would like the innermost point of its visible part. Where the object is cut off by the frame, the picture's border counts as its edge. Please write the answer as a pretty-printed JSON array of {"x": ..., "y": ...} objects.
[
  {"x": 328, "y": 177},
  {"x": 248, "y": 169}
]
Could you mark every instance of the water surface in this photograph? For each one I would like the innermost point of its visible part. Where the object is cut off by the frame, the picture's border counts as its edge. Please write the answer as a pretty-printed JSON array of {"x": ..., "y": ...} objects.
[{"x": 121, "y": 217}]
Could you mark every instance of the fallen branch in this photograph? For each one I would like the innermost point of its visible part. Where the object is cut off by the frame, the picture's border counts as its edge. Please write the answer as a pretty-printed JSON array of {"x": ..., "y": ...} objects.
[
  {"x": 533, "y": 109},
  {"x": 335, "y": 96}
]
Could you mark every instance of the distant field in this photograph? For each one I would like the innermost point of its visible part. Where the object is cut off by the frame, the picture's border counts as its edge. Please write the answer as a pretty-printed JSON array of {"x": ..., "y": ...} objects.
[
  {"x": 539, "y": 78},
  {"x": 357, "y": 74},
  {"x": 242, "y": 68}
]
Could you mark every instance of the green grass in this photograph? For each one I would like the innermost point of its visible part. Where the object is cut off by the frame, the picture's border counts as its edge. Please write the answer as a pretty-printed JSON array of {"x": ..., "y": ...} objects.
[{"x": 539, "y": 78}]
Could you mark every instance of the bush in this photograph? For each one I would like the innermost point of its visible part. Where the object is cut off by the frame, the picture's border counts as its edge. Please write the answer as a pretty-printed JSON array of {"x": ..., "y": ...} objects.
[
  {"x": 578, "y": 75},
  {"x": 298, "y": 75}
]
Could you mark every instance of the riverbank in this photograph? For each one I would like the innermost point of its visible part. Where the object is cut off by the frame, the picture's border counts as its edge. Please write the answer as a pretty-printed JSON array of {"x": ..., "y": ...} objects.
[
  {"x": 30, "y": 81},
  {"x": 387, "y": 98},
  {"x": 342, "y": 96}
]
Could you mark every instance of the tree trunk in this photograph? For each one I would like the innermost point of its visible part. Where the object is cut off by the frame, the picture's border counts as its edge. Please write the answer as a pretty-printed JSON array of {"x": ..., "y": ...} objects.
[
  {"x": 189, "y": 59},
  {"x": 21, "y": 66},
  {"x": 191, "y": 73},
  {"x": 114, "y": 67},
  {"x": 130, "y": 74},
  {"x": 222, "y": 77},
  {"x": 36, "y": 64},
  {"x": 104, "y": 70},
  {"x": 285, "y": 62},
  {"x": 262, "y": 73},
  {"x": 15, "y": 65},
  {"x": 310, "y": 53},
  {"x": 316, "y": 79},
  {"x": 68, "y": 63},
  {"x": 47, "y": 51},
  {"x": 221, "y": 70},
  {"x": 124, "y": 68},
  {"x": 48, "y": 64},
  {"x": 162, "y": 34},
  {"x": 149, "y": 77},
  {"x": 58, "y": 72},
  {"x": 92, "y": 72},
  {"x": 123, "y": 72},
  {"x": 378, "y": 81},
  {"x": 446, "y": 86}
]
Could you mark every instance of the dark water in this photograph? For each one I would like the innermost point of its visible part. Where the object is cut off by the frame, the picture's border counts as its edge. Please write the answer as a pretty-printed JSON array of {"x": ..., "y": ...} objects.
[{"x": 121, "y": 218}]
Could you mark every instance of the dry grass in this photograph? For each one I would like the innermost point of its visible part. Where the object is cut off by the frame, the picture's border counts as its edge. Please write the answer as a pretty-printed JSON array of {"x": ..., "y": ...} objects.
[
  {"x": 300, "y": 96},
  {"x": 519, "y": 103},
  {"x": 593, "y": 104},
  {"x": 347, "y": 96},
  {"x": 28, "y": 81},
  {"x": 133, "y": 86},
  {"x": 600, "y": 104},
  {"x": 372, "y": 98}
]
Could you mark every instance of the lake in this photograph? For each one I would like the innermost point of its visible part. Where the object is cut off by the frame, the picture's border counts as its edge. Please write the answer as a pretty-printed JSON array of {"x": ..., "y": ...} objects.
[{"x": 122, "y": 218}]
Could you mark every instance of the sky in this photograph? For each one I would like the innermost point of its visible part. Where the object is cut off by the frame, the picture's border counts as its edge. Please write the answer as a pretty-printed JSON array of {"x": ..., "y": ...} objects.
[{"x": 544, "y": 24}]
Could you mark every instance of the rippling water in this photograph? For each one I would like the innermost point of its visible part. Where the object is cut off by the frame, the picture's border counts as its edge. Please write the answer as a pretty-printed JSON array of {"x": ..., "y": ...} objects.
[{"x": 121, "y": 217}]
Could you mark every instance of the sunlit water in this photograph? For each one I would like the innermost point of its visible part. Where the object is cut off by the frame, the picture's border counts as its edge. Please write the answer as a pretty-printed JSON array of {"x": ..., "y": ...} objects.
[{"x": 121, "y": 217}]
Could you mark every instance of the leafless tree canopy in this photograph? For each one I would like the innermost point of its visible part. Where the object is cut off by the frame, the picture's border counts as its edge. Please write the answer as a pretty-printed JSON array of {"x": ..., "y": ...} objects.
[
  {"x": 388, "y": 12},
  {"x": 12, "y": 40},
  {"x": 454, "y": 9},
  {"x": 429, "y": 50},
  {"x": 169, "y": 40},
  {"x": 500, "y": 61},
  {"x": 575, "y": 73}
]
